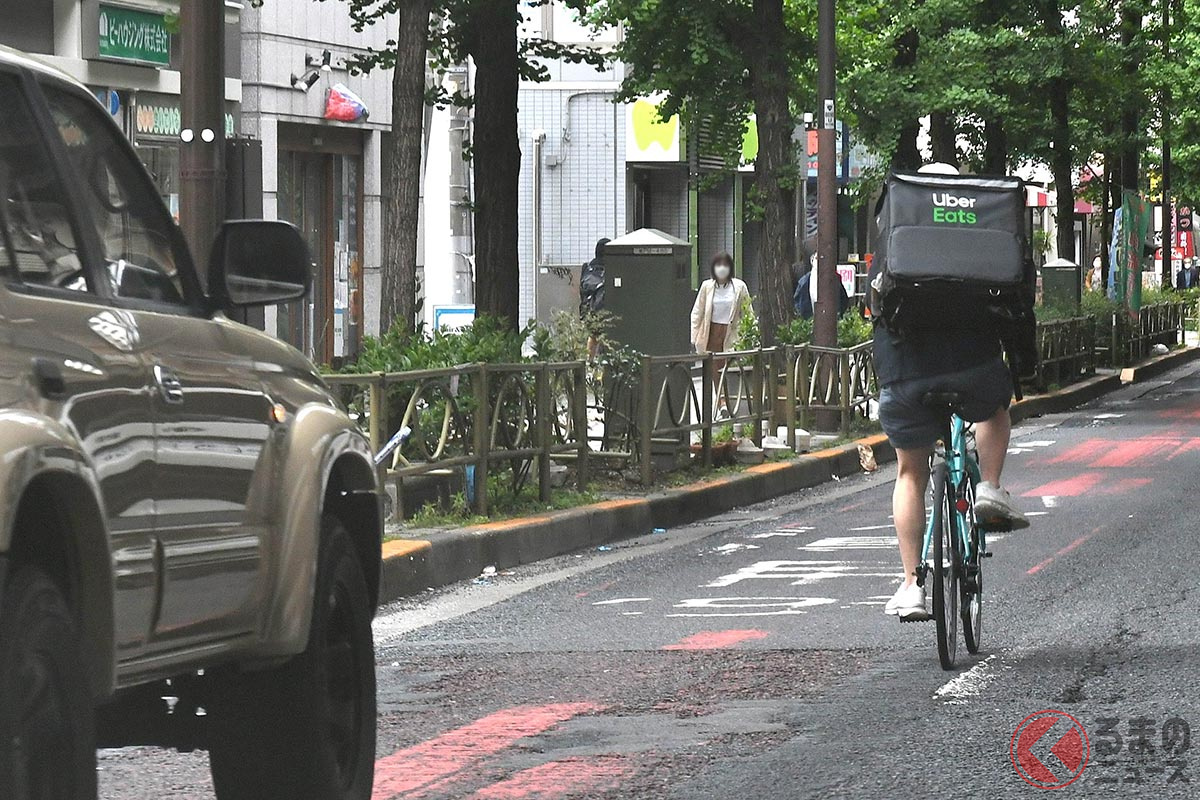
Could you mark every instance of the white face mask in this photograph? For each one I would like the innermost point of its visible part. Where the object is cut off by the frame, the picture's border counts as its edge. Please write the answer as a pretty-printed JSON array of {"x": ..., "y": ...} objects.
[{"x": 722, "y": 272}]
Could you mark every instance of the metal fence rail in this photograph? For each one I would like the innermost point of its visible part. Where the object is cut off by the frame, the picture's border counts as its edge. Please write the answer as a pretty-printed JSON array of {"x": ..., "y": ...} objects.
[
  {"x": 1066, "y": 351},
  {"x": 480, "y": 418},
  {"x": 834, "y": 380},
  {"x": 1121, "y": 341},
  {"x": 471, "y": 417}
]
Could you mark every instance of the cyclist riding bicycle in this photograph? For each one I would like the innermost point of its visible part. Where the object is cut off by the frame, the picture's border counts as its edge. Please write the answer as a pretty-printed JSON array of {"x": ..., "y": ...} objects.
[{"x": 967, "y": 361}]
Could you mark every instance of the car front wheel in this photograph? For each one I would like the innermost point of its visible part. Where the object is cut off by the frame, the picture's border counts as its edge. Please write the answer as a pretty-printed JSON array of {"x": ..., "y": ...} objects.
[
  {"x": 307, "y": 729},
  {"x": 47, "y": 732}
]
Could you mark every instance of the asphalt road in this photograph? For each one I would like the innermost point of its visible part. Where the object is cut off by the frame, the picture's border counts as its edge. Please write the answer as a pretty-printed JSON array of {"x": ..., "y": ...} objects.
[{"x": 748, "y": 656}]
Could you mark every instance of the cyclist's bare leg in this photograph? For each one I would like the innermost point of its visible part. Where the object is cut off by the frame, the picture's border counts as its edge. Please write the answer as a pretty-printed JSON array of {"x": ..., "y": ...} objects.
[
  {"x": 908, "y": 506},
  {"x": 992, "y": 438}
]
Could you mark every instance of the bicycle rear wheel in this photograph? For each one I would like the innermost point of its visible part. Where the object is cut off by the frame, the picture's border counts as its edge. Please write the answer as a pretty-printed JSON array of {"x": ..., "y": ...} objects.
[
  {"x": 945, "y": 570},
  {"x": 972, "y": 585}
]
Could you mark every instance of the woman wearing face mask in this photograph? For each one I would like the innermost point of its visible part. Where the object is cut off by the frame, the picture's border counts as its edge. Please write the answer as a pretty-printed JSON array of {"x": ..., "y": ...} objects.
[{"x": 719, "y": 306}]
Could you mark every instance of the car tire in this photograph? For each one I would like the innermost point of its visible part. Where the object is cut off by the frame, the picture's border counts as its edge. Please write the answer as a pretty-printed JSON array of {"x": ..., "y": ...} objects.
[
  {"x": 306, "y": 730},
  {"x": 47, "y": 722}
]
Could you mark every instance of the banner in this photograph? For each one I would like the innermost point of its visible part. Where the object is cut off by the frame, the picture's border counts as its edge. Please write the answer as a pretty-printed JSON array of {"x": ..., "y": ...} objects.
[{"x": 1136, "y": 221}]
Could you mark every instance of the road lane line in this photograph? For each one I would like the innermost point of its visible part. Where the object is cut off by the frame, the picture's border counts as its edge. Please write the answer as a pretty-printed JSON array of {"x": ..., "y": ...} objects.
[
  {"x": 959, "y": 690},
  {"x": 618, "y": 601},
  {"x": 426, "y": 766},
  {"x": 716, "y": 640},
  {"x": 568, "y": 777},
  {"x": 1068, "y": 487},
  {"x": 1039, "y": 567}
]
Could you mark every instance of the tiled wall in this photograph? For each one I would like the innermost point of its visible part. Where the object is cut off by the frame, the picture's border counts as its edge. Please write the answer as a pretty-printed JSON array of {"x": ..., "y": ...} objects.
[{"x": 582, "y": 173}]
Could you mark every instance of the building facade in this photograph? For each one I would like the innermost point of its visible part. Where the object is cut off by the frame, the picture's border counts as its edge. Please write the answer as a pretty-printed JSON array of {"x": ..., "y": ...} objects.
[
  {"x": 128, "y": 54},
  {"x": 321, "y": 174}
]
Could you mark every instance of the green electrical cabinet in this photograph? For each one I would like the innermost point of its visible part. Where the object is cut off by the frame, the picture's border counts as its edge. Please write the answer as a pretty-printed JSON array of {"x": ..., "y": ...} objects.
[
  {"x": 648, "y": 288},
  {"x": 1062, "y": 283},
  {"x": 647, "y": 276}
]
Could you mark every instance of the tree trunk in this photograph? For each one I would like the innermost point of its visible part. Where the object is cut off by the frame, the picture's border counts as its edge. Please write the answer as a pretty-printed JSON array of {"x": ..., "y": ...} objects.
[
  {"x": 943, "y": 138},
  {"x": 1131, "y": 22},
  {"x": 402, "y": 176},
  {"x": 1061, "y": 167},
  {"x": 770, "y": 80},
  {"x": 907, "y": 155},
  {"x": 492, "y": 41},
  {"x": 995, "y": 147},
  {"x": 1111, "y": 181}
]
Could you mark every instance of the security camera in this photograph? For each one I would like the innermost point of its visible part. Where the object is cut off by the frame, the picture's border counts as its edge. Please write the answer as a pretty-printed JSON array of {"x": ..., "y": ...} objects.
[
  {"x": 323, "y": 62},
  {"x": 307, "y": 80}
]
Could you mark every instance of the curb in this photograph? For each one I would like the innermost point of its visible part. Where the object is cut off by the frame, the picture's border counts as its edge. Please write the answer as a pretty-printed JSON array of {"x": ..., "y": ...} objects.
[{"x": 412, "y": 565}]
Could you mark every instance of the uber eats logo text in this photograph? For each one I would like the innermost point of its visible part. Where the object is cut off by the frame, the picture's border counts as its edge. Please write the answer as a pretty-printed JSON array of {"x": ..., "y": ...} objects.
[{"x": 951, "y": 209}]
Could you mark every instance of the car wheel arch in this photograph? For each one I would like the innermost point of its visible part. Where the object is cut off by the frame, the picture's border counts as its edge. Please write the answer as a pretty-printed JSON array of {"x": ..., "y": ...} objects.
[{"x": 57, "y": 524}]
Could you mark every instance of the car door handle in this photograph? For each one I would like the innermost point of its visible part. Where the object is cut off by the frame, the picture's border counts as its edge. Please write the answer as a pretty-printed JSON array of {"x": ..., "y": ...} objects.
[
  {"x": 49, "y": 378},
  {"x": 169, "y": 385}
]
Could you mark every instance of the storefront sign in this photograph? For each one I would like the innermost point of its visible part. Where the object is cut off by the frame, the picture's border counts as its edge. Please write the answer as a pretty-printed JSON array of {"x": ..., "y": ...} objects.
[
  {"x": 161, "y": 116},
  {"x": 127, "y": 34}
]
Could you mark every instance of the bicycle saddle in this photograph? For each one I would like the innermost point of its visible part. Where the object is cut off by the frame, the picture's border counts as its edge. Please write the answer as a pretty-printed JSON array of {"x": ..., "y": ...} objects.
[{"x": 943, "y": 400}]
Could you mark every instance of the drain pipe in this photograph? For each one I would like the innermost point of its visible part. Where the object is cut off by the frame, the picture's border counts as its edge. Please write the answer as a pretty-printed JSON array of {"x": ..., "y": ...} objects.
[{"x": 539, "y": 139}]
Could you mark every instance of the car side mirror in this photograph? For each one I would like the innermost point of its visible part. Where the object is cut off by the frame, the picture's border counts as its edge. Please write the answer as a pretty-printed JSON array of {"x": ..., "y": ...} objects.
[{"x": 257, "y": 262}]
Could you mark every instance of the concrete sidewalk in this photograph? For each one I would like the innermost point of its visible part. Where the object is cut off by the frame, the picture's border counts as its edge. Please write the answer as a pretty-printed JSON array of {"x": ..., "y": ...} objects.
[{"x": 438, "y": 558}]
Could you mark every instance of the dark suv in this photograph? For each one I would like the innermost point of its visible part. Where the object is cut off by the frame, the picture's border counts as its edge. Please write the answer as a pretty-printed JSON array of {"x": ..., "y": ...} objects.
[{"x": 190, "y": 524}]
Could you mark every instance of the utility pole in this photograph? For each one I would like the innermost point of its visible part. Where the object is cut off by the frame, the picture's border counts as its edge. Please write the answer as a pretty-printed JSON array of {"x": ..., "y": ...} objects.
[
  {"x": 1168, "y": 218},
  {"x": 202, "y": 152},
  {"x": 828, "y": 291}
]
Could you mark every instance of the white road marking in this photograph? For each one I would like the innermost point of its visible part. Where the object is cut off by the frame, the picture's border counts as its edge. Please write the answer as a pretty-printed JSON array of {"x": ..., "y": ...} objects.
[
  {"x": 734, "y": 547},
  {"x": 1108, "y": 416},
  {"x": 1016, "y": 451},
  {"x": 632, "y": 613},
  {"x": 971, "y": 683},
  {"x": 1035, "y": 514},
  {"x": 800, "y": 573},
  {"x": 831, "y": 543},
  {"x": 783, "y": 532},
  {"x": 725, "y": 606},
  {"x": 1049, "y": 501},
  {"x": 1045, "y": 443},
  {"x": 620, "y": 600},
  {"x": 874, "y": 528}
]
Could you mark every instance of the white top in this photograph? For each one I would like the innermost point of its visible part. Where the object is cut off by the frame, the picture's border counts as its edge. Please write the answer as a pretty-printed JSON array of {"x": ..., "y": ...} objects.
[{"x": 723, "y": 300}]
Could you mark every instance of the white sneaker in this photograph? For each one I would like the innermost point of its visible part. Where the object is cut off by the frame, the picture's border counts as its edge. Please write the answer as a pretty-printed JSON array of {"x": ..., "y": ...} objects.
[
  {"x": 994, "y": 509},
  {"x": 908, "y": 603}
]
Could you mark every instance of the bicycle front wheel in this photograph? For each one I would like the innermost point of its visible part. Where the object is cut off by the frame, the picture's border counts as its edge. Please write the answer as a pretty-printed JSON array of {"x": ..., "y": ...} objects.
[{"x": 945, "y": 569}]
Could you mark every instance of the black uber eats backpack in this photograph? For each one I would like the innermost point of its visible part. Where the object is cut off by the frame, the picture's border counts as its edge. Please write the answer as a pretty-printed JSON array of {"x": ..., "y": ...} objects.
[
  {"x": 953, "y": 254},
  {"x": 591, "y": 287}
]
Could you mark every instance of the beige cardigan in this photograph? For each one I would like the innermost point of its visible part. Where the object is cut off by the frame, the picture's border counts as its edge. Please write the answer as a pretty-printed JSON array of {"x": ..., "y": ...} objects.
[{"x": 702, "y": 314}]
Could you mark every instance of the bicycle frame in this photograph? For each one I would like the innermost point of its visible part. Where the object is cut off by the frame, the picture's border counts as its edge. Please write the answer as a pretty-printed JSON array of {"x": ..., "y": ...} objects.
[{"x": 962, "y": 472}]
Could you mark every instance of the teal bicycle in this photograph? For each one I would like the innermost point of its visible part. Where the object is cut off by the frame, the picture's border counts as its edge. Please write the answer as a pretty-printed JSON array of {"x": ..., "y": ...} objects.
[{"x": 955, "y": 544}]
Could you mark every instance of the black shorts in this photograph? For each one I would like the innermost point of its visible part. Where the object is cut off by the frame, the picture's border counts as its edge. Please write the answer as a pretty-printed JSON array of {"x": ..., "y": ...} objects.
[{"x": 910, "y": 425}]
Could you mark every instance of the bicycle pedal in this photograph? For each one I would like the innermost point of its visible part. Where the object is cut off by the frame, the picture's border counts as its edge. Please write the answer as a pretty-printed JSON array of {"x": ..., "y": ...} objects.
[
  {"x": 986, "y": 555},
  {"x": 928, "y": 618}
]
